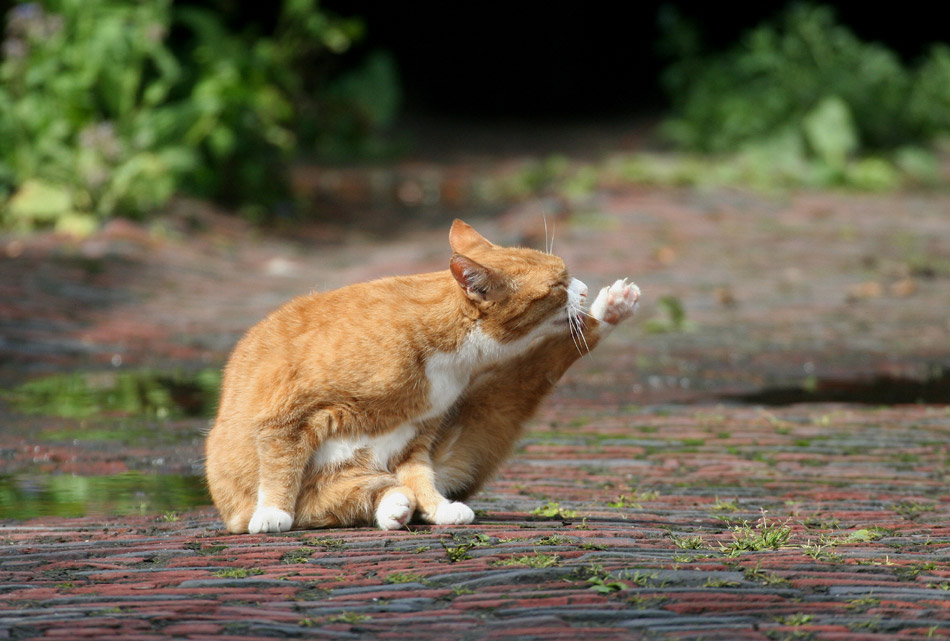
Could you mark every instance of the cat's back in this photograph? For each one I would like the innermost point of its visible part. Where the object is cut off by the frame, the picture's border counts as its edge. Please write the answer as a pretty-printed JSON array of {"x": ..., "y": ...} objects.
[
  {"x": 362, "y": 335},
  {"x": 385, "y": 310}
]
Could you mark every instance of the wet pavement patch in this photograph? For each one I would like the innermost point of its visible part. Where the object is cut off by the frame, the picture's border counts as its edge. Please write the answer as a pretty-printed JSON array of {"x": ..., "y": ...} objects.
[
  {"x": 25, "y": 496},
  {"x": 143, "y": 393},
  {"x": 878, "y": 391}
]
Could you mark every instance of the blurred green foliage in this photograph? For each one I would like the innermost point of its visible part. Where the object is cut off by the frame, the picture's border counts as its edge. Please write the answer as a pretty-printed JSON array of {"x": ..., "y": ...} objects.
[
  {"x": 110, "y": 107},
  {"x": 806, "y": 95},
  {"x": 352, "y": 108}
]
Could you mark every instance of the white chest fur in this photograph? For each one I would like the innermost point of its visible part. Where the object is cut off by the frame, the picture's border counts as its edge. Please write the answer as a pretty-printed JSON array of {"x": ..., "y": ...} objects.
[{"x": 448, "y": 374}]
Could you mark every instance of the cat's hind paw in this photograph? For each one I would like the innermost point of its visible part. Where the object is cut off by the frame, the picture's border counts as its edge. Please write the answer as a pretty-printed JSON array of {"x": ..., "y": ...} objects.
[
  {"x": 453, "y": 513},
  {"x": 394, "y": 511},
  {"x": 269, "y": 519},
  {"x": 616, "y": 302}
]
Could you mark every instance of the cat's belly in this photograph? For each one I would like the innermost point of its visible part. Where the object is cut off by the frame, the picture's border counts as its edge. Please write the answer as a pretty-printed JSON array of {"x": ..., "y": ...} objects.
[{"x": 339, "y": 450}]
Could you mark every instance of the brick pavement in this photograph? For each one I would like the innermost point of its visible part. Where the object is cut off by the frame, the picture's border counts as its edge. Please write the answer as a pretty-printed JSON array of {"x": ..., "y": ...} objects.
[
  {"x": 644, "y": 503},
  {"x": 655, "y": 533}
]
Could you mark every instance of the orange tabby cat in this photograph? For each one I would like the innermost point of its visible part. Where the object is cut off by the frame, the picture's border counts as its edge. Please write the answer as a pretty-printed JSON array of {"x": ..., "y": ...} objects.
[{"x": 400, "y": 396}]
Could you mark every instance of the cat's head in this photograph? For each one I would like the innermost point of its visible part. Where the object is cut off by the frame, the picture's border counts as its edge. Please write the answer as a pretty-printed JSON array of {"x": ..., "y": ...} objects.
[{"x": 515, "y": 291}]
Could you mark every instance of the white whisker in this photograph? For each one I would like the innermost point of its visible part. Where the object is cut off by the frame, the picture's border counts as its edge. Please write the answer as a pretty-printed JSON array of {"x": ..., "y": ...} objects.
[
  {"x": 577, "y": 345},
  {"x": 571, "y": 329},
  {"x": 580, "y": 329}
]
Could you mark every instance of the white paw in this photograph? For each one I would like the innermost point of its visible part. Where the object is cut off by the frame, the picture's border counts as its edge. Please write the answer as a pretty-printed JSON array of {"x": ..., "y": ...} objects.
[
  {"x": 453, "y": 513},
  {"x": 269, "y": 519},
  {"x": 616, "y": 303},
  {"x": 394, "y": 511}
]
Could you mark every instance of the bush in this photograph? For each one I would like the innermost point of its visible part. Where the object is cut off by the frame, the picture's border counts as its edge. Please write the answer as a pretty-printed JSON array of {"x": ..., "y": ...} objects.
[
  {"x": 100, "y": 115},
  {"x": 810, "y": 79},
  {"x": 929, "y": 103},
  {"x": 84, "y": 113}
]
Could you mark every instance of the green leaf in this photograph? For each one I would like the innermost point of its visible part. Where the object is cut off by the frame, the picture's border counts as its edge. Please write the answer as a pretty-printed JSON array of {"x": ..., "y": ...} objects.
[
  {"x": 830, "y": 132},
  {"x": 873, "y": 174},
  {"x": 75, "y": 224},
  {"x": 37, "y": 201}
]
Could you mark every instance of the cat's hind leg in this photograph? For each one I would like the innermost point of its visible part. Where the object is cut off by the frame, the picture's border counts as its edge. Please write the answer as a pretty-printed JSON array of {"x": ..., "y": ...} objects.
[
  {"x": 351, "y": 497},
  {"x": 395, "y": 508},
  {"x": 417, "y": 473}
]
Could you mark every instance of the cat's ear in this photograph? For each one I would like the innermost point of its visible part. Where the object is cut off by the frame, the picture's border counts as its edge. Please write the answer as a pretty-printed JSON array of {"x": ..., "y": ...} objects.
[
  {"x": 479, "y": 283},
  {"x": 464, "y": 239}
]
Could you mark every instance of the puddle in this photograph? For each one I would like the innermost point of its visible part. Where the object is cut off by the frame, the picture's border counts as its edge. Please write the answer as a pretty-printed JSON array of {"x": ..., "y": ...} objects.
[
  {"x": 880, "y": 390},
  {"x": 30, "y": 496},
  {"x": 139, "y": 393}
]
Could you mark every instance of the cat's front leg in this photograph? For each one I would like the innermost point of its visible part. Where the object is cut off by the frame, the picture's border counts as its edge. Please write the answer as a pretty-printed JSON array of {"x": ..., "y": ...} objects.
[
  {"x": 282, "y": 458},
  {"x": 615, "y": 303},
  {"x": 416, "y": 473}
]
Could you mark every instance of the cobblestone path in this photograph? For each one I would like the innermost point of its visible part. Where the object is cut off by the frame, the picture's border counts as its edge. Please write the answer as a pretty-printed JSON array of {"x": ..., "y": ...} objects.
[{"x": 667, "y": 490}]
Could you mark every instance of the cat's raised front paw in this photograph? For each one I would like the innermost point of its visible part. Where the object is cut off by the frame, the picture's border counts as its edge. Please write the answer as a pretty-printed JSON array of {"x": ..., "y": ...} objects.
[
  {"x": 269, "y": 519},
  {"x": 453, "y": 513},
  {"x": 394, "y": 511},
  {"x": 616, "y": 303}
]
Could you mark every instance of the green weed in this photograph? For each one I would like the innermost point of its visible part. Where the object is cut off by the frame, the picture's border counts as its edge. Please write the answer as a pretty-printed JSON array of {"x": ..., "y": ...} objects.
[
  {"x": 764, "y": 536},
  {"x": 864, "y": 603},
  {"x": 799, "y": 618},
  {"x": 592, "y": 546},
  {"x": 820, "y": 553},
  {"x": 553, "y": 509},
  {"x": 912, "y": 510},
  {"x": 300, "y": 555},
  {"x": 535, "y": 560},
  {"x": 328, "y": 544},
  {"x": 348, "y": 617},
  {"x": 725, "y": 506},
  {"x": 460, "y": 591},
  {"x": 198, "y": 547},
  {"x": 638, "y": 578},
  {"x": 475, "y": 539},
  {"x": 759, "y": 575},
  {"x": 688, "y": 542},
  {"x": 456, "y": 553},
  {"x": 713, "y": 582},
  {"x": 913, "y": 570},
  {"x": 635, "y": 499},
  {"x": 238, "y": 573},
  {"x": 602, "y": 585},
  {"x": 404, "y": 577},
  {"x": 642, "y": 602}
]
